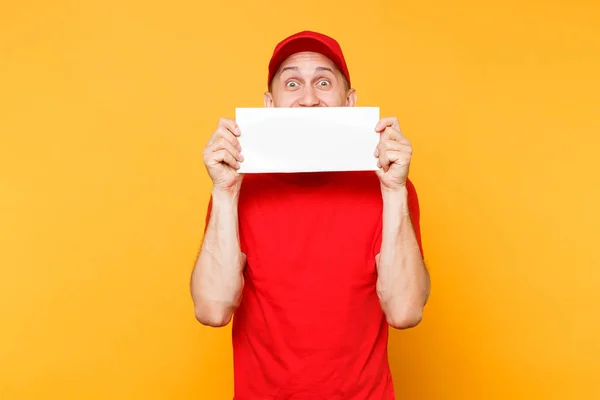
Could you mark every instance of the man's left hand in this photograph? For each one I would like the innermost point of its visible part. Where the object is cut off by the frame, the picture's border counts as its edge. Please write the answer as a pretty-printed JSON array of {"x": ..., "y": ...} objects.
[{"x": 394, "y": 152}]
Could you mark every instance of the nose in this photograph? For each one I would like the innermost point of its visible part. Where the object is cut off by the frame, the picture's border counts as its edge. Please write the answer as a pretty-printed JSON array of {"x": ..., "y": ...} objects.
[{"x": 309, "y": 98}]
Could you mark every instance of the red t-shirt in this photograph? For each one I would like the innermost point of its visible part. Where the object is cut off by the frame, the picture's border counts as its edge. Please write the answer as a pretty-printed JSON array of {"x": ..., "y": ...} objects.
[{"x": 310, "y": 325}]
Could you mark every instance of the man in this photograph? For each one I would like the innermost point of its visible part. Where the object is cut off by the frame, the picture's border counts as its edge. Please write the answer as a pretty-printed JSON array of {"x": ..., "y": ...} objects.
[{"x": 314, "y": 265}]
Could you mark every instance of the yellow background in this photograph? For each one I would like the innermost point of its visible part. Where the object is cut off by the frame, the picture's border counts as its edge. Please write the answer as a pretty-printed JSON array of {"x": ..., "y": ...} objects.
[{"x": 104, "y": 110}]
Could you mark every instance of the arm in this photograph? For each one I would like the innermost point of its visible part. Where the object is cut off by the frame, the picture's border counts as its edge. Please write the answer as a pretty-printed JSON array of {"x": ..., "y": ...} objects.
[
  {"x": 403, "y": 283},
  {"x": 402, "y": 279},
  {"x": 217, "y": 280}
]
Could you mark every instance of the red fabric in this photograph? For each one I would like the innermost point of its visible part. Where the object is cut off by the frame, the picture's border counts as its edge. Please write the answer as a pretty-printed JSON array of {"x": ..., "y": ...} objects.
[
  {"x": 310, "y": 325},
  {"x": 308, "y": 41}
]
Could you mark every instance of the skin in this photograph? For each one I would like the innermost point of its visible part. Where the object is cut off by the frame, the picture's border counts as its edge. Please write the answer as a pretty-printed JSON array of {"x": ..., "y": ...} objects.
[{"x": 309, "y": 80}]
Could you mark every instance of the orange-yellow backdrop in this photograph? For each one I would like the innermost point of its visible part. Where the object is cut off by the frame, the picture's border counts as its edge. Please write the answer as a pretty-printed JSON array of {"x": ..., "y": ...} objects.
[{"x": 105, "y": 107}]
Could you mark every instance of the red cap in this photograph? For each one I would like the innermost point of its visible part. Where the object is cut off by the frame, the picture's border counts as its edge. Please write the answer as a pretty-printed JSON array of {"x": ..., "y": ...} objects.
[{"x": 308, "y": 41}]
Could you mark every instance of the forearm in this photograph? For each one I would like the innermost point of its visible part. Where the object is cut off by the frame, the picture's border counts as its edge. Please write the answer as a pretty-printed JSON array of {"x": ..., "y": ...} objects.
[
  {"x": 403, "y": 280},
  {"x": 217, "y": 279}
]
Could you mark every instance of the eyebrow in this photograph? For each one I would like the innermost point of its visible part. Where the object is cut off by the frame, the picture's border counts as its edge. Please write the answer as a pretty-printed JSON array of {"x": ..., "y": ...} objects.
[
  {"x": 316, "y": 69},
  {"x": 324, "y": 69}
]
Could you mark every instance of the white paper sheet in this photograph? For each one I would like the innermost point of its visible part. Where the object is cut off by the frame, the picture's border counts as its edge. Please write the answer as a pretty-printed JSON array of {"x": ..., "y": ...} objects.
[{"x": 308, "y": 139}]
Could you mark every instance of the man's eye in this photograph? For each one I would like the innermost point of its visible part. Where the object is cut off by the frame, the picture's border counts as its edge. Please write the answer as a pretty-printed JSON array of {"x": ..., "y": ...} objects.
[
  {"x": 323, "y": 83},
  {"x": 291, "y": 84}
]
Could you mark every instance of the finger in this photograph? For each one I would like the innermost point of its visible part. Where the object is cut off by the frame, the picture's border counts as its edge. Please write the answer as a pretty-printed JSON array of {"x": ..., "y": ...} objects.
[
  {"x": 377, "y": 149},
  {"x": 387, "y": 158},
  {"x": 394, "y": 157},
  {"x": 395, "y": 146},
  {"x": 224, "y": 144},
  {"x": 231, "y": 125},
  {"x": 394, "y": 134},
  {"x": 225, "y": 157},
  {"x": 224, "y": 133},
  {"x": 383, "y": 161},
  {"x": 387, "y": 121}
]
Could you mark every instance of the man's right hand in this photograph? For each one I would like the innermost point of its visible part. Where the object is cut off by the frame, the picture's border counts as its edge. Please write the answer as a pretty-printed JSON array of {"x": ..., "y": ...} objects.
[{"x": 222, "y": 156}]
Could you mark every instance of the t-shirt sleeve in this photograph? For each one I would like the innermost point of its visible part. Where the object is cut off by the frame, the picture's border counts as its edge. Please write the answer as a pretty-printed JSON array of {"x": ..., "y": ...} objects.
[
  {"x": 415, "y": 217},
  {"x": 208, "y": 214},
  {"x": 243, "y": 247},
  {"x": 415, "y": 213}
]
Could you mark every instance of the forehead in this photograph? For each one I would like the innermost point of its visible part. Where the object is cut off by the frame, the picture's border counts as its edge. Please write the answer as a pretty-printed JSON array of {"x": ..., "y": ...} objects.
[{"x": 308, "y": 60}]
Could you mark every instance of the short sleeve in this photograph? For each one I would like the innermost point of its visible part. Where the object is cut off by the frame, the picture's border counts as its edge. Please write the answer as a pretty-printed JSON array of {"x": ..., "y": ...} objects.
[
  {"x": 415, "y": 213},
  {"x": 208, "y": 214}
]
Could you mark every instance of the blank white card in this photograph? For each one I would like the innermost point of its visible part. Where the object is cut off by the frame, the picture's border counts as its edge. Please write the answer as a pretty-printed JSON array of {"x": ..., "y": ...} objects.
[{"x": 308, "y": 139}]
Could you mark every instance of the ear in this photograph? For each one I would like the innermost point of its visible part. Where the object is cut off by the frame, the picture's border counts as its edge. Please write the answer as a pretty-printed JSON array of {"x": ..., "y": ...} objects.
[
  {"x": 351, "y": 98},
  {"x": 268, "y": 100}
]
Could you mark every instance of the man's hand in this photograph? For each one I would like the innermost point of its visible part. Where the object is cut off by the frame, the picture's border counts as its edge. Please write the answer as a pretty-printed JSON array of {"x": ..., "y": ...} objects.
[
  {"x": 222, "y": 156},
  {"x": 394, "y": 152}
]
